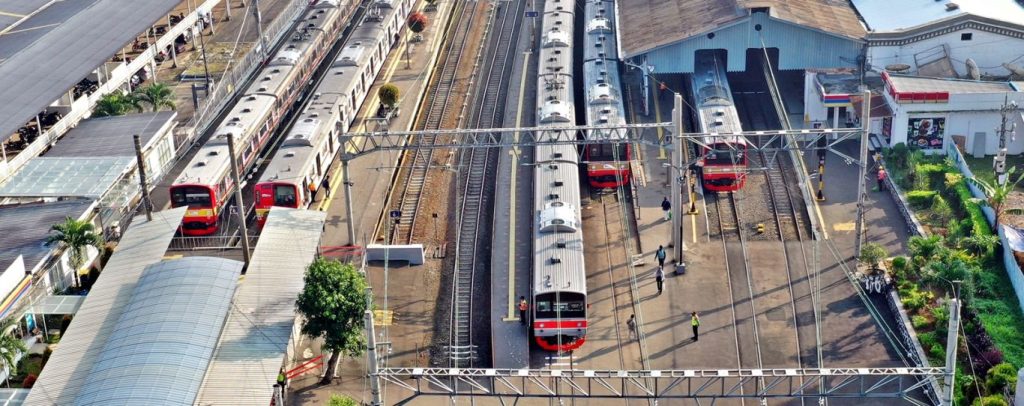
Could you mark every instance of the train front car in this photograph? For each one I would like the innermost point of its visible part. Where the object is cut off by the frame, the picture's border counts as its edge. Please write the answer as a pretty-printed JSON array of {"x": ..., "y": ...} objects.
[
  {"x": 608, "y": 164},
  {"x": 312, "y": 144},
  {"x": 724, "y": 162},
  {"x": 559, "y": 280},
  {"x": 205, "y": 185}
]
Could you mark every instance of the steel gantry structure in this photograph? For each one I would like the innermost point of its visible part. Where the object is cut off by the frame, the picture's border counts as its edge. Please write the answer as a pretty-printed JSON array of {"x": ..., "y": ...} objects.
[{"x": 820, "y": 383}]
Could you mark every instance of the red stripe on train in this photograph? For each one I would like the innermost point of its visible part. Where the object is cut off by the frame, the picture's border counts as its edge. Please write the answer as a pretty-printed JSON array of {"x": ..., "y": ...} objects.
[{"x": 559, "y": 324}]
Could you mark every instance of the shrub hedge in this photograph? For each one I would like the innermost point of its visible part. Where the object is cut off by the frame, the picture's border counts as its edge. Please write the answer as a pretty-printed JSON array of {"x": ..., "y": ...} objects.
[{"x": 920, "y": 199}]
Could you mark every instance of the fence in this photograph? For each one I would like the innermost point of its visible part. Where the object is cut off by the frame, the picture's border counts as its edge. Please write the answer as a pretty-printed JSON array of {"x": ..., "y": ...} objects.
[{"x": 1013, "y": 269}]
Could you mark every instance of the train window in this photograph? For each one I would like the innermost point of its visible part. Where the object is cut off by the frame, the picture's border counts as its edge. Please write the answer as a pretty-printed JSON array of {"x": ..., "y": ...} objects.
[
  {"x": 560, "y": 305},
  {"x": 284, "y": 196},
  {"x": 724, "y": 154},
  {"x": 192, "y": 196}
]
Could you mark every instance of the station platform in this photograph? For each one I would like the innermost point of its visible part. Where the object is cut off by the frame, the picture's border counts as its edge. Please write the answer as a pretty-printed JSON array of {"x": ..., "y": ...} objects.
[{"x": 512, "y": 251}]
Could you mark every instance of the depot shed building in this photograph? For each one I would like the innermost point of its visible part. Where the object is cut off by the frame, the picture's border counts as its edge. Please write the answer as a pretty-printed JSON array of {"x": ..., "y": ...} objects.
[{"x": 665, "y": 35}]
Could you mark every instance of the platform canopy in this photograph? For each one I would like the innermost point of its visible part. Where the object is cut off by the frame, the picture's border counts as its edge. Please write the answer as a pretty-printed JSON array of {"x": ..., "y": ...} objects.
[
  {"x": 66, "y": 177},
  {"x": 57, "y": 304},
  {"x": 76, "y": 38}
]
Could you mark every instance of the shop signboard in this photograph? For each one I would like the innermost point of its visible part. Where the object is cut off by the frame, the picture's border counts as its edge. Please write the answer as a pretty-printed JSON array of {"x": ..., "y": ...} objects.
[{"x": 926, "y": 132}]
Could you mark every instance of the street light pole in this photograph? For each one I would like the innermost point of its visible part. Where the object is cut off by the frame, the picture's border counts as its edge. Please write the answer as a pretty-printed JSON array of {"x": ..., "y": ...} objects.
[
  {"x": 862, "y": 172},
  {"x": 238, "y": 196}
]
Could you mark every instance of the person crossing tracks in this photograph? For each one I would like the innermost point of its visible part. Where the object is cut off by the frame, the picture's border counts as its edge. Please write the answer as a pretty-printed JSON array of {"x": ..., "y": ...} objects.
[{"x": 659, "y": 277}]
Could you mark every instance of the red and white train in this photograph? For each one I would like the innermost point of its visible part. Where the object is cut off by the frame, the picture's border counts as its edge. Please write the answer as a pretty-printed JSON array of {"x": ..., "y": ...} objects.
[
  {"x": 724, "y": 159},
  {"x": 559, "y": 282},
  {"x": 205, "y": 185},
  {"x": 307, "y": 151},
  {"x": 607, "y": 164}
]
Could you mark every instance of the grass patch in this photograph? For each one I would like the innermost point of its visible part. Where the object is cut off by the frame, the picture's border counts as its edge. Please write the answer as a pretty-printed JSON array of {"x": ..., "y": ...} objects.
[{"x": 982, "y": 167}]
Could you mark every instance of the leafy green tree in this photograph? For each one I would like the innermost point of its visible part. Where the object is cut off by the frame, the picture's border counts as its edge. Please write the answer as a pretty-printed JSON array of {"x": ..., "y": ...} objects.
[
  {"x": 941, "y": 211},
  {"x": 10, "y": 346},
  {"x": 75, "y": 236},
  {"x": 114, "y": 104},
  {"x": 990, "y": 400},
  {"x": 389, "y": 95},
  {"x": 332, "y": 304},
  {"x": 996, "y": 194},
  {"x": 156, "y": 95},
  {"x": 341, "y": 400},
  {"x": 872, "y": 254}
]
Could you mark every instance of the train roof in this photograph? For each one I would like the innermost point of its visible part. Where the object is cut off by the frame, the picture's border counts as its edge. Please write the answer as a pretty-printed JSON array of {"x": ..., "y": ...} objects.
[
  {"x": 559, "y": 263},
  {"x": 298, "y": 148},
  {"x": 601, "y": 31},
  {"x": 713, "y": 98},
  {"x": 211, "y": 161}
]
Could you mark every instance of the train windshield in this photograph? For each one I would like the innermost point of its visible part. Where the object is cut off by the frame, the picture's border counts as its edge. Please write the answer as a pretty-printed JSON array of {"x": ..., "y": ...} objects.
[
  {"x": 284, "y": 196},
  {"x": 561, "y": 305},
  {"x": 607, "y": 152},
  {"x": 194, "y": 197},
  {"x": 725, "y": 154}
]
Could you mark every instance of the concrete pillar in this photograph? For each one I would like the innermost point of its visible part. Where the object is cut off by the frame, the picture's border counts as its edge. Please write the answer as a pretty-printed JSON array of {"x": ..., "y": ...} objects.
[
  {"x": 1019, "y": 398},
  {"x": 676, "y": 143},
  {"x": 227, "y": 10},
  {"x": 951, "y": 344}
]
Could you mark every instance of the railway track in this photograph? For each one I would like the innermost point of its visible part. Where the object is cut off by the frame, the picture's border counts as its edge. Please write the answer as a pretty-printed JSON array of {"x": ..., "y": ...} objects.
[
  {"x": 741, "y": 290},
  {"x": 477, "y": 169},
  {"x": 437, "y": 115}
]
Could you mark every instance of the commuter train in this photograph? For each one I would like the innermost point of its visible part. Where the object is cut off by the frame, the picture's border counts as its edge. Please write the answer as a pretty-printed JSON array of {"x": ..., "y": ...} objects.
[
  {"x": 608, "y": 165},
  {"x": 724, "y": 159},
  {"x": 205, "y": 185},
  {"x": 559, "y": 281},
  {"x": 308, "y": 149}
]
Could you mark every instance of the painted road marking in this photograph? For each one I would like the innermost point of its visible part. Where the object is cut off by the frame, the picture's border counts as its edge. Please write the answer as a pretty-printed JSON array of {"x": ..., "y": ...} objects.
[
  {"x": 843, "y": 226},
  {"x": 512, "y": 205}
]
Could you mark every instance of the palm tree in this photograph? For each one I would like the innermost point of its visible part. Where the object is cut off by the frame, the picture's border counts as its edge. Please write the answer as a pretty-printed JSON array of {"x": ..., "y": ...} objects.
[
  {"x": 113, "y": 104},
  {"x": 980, "y": 244},
  {"x": 76, "y": 235},
  {"x": 10, "y": 346},
  {"x": 157, "y": 95},
  {"x": 996, "y": 193}
]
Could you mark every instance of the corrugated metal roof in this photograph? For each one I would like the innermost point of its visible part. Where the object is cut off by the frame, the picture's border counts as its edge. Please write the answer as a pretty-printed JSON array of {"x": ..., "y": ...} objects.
[
  {"x": 67, "y": 177},
  {"x": 112, "y": 136},
  {"x": 13, "y": 397},
  {"x": 23, "y": 229},
  {"x": 649, "y": 24},
  {"x": 904, "y": 83},
  {"x": 40, "y": 73},
  {"x": 164, "y": 339},
  {"x": 255, "y": 338},
  {"x": 143, "y": 244}
]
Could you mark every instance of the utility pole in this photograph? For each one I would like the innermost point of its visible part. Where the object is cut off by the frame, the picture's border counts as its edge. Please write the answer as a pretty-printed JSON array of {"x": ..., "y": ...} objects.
[
  {"x": 861, "y": 192},
  {"x": 238, "y": 196},
  {"x": 371, "y": 351},
  {"x": 259, "y": 26},
  {"x": 206, "y": 68},
  {"x": 675, "y": 143},
  {"x": 142, "y": 178},
  {"x": 346, "y": 179},
  {"x": 951, "y": 346},
  {"x": 999, "y": 162}
]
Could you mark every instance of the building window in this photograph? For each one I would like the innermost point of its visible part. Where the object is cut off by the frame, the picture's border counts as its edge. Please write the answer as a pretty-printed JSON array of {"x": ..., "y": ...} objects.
[{"x": 966, "y": 36}]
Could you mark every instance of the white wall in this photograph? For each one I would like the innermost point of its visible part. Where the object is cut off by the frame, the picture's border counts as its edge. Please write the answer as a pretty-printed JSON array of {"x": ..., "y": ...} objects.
[
  {"x": 965, "y": 114},
  {"x": 12, "y": 276},
  {"x": 814, "y": 109},
  {"x": 987, "y": 49}
]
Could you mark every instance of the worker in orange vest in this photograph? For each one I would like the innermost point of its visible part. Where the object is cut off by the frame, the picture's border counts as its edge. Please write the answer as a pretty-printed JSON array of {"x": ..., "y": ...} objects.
[
  {"x": 881, "y": 178},
  {"x": 523, "y": 307}
]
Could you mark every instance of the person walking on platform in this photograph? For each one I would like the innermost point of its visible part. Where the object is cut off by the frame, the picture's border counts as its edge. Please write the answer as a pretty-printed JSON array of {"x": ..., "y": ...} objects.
[
  {"x": 660, "y": 255},
  {"x": 326, "y": 184},
  {"x": 695, "y": 323},
  {"x": 523, "y": 307},
  {"x": 282, "y": 379},
  {"x": 666, "y": 206},
  {"x": 631, "y": 325},
  {"x": 659, "y": 277},
  {"x": 881, "y": 178}
]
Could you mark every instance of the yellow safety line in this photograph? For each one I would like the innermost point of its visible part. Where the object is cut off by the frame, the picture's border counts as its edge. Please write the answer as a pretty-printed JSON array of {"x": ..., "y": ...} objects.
[
  {"x": 512, "y": 205},
  {"x": 657, "y": 118},
  {"x": 4, "y": 13}
]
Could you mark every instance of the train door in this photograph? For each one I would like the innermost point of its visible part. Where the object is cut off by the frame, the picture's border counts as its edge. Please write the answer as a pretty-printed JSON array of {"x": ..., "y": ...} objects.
[{"x": 319, "y": 169}]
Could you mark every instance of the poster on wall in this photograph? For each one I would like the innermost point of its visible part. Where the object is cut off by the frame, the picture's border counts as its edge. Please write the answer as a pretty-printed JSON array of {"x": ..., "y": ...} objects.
[{"x": 926, "y": 133}]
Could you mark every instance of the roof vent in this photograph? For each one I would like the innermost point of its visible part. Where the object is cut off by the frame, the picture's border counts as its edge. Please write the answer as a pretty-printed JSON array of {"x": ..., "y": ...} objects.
[
  {"x": 211, "y": 153},
  {"x": 289, "y": 154},
  {"x": 556, "y": 260},
  {"x": 200, "y": 163},
  {"x": 560, "y": 243},
  {"x": 263, "y": 89},
  {"x": 952, "y": 6},
  {"x": 553, "y": 196},
  {"x": 247, "y": 110},
  {"x": 308, "y": 120},
  {"x": 553, "y": 166},
  {"x": 559, "y": 183},
  {"x": 556, "y": 155}
]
